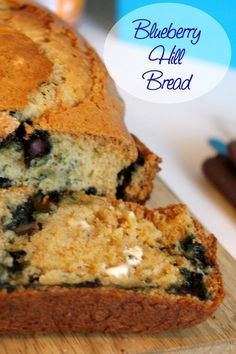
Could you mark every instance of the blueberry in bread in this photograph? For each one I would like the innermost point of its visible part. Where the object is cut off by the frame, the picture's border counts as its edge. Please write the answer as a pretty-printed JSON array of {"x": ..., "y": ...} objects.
[
  {"x": 61, "y": 119},
  {"x": 87, "y": 263}
]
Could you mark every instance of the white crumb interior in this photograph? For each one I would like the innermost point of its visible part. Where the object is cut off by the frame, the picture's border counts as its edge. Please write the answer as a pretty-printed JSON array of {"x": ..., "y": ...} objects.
[
  {"x": 95, "y": 240},
  {"x": 73, "y": 164}
]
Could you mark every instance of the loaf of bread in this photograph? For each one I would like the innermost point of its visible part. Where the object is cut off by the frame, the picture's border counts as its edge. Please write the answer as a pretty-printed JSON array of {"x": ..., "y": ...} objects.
[
  {"x": 82, "y": 263},
  {"x": 74, "y": 256},
  {"x": 61, "y": 119}
]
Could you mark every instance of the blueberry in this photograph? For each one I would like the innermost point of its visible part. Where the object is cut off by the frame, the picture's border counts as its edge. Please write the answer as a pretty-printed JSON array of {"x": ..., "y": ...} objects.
[
  {"x": 34, "y": 278},
  {"x": 37, "y": 146},
  {"x": 91, "y": 191},
  {"x": 22, "y": 215},
  {"x": 193, "y": 284},
  {"x": 54, "y": 196},
  {"x": 193, "y": 250},
  {"x": 12, "y": 113},
  {"x": 17, "y": 257},
  {"x": 124, "y": 176},
  {"x": 20, "y": 132},
  {"x": 5, "y": 182}
]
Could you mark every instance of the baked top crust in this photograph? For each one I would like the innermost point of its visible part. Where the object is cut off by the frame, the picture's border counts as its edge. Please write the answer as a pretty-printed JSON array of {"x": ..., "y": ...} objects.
[
  {"x": 22, "y": 68},
  {"x": 82, "y": 98}
]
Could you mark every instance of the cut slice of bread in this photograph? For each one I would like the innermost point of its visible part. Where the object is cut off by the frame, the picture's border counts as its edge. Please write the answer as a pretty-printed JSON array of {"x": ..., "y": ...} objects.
[{"x": 89, "y": 263}]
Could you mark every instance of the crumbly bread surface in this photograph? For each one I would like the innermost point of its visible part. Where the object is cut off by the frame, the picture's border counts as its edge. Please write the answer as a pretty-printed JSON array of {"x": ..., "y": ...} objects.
[
  {"x": 107, "y": 251},
  {"x": 72, "y": 164}
]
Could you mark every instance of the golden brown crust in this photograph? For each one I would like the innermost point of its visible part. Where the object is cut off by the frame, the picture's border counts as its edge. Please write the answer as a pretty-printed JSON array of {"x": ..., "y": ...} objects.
[
  {"x": 209, "y": 241},
  {"x": 22, "y": 68},
  {"x": 96, "y": 108},
  {"x": 141, "y": 185},
  {"x": 99, "y": 310}
]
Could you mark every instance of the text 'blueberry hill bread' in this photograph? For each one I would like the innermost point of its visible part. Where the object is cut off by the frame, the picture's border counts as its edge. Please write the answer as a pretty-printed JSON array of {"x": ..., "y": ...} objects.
[
  {"x": 86, "y": 263},
  {"x": 61, "y": 119}
]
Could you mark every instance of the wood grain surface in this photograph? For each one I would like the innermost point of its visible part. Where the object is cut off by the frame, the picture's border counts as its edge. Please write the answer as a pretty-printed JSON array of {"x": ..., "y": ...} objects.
[{"x": 216, "y": 335}]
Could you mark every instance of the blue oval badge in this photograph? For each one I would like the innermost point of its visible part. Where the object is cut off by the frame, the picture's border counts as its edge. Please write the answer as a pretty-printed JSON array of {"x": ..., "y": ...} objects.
[{"x": 167, "y": 53}]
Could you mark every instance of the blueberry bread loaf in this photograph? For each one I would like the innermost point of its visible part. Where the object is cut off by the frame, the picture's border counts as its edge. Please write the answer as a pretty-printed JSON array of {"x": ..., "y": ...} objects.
[
  {"x": 61, "y": 119},
  {"x": 86, "y": 263}
]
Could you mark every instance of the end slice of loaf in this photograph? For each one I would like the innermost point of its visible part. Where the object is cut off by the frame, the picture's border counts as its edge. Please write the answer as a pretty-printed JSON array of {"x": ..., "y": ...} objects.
[
  {"x": 61, "y": 119},
  {"x": 91, "y": 264}
]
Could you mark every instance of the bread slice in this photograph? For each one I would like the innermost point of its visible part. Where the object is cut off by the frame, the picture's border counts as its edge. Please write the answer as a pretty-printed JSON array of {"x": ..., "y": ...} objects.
[
  {"x": 61, "y": 119},
  {"x": 90, "y": 264}
]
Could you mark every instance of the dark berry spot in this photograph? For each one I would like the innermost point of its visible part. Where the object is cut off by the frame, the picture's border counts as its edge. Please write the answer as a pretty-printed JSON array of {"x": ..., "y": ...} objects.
[
  {"x": 193, "y": 284},
  {"x": 194, "y": 251},
  {"x": 5, "y": 182},
  {"x": 124, "y": 176},
  {"x": 91, "y": 191},
  {"x": 22, "y": 215},
  {"x": 29, "y": 122},
  {"x": 17, "y": 260},
  {"x": 20, "y": 132},
  {"x": 187, "y": 243},
  {"x": 34, "y": 278},
  {"x": 54, "y": 196},
  {"x": 37, "y": 146},
  {"x": 140, "y": 160},
  {"x": 12, "y": 113}
]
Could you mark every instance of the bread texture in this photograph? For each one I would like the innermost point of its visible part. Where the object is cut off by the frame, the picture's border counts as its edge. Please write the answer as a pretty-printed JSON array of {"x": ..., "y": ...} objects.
[
  {"x": 87, "y": 264},
  {"x": 62, "y": 109}
]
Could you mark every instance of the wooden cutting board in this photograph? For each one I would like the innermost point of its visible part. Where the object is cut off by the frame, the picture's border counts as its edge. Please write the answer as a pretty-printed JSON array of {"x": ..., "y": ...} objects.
[{"x": 216, "y": 335}]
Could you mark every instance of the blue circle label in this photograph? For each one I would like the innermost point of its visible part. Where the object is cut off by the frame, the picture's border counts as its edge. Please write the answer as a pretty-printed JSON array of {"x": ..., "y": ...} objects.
[{"x": 167, "y": 53}]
